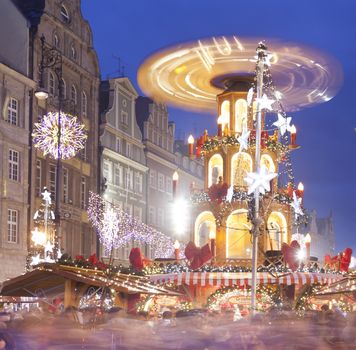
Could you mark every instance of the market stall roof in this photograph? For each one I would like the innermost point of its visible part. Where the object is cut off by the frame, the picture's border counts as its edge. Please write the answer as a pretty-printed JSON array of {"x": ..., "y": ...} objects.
[
  {"x": 49, "y": 279},
  {"x": 243, "y": 278},
  {"x": 346, "y": 285}
]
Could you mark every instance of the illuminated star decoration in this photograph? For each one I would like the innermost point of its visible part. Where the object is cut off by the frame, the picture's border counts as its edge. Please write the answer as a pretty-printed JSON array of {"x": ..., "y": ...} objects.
[
  {"x": 109, "y": 229},
  {"x": 116, "y": 228},
  {"x": 72, "y": 140},
  {"x": 296, "y": 205},
  {"x": 265, "y": 103},
  {"x": 48, "y": 247},
  {"x": 283, "y": 124},
  {"x": 230, "y": 193},
  {"x": 249, "y": 96},
  {"x": 38, "y": 237},
  {"x": 46, "y": 196},
  {"x": 260, "y": 180},
  {"x": 36, "y": 260},
  {"x": 243, "y": 139}
]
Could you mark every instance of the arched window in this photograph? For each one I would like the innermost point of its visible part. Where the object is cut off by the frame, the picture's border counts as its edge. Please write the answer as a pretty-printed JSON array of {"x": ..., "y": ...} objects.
[
  {"x": 240, "y": 115},
  {"x": 238, "y": 237},
  {"x": 215, "y": 169},
  {"x": 73, "y": 52},
  {"x": 51, "y": 83},
  {"x": 267, "y": 160},
  {"x": 84, "y": 104},
  {"x": 225, "y": 113},
  {"x": 73, "y": 94},
  {"x": 56, "y": 42},
  {"x": 276, "y": 231},
  {"x": 64, "y": 14},
  {"x": 64, "y": 88},
  {"x": 241, "y": 164},
  {"x": 204, "y": 224}
]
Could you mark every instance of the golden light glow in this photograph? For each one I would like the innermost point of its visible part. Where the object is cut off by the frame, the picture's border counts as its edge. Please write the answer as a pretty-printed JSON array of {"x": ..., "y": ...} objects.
[
  {"x": 184, "y": 75},
  {"x": 180, "y": 69},
  {"x": 300, "y": 186},
  {"x": 212, "y": 234},
  {"x": 307, "y": 238},
  {"x": 175, "y": 176},
  {"x": 204, "y": 224},
  {"x": 190, "y": 139}
]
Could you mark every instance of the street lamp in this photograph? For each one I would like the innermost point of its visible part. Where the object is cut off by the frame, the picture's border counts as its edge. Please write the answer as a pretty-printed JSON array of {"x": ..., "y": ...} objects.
[{"x": 52, "y": 58}]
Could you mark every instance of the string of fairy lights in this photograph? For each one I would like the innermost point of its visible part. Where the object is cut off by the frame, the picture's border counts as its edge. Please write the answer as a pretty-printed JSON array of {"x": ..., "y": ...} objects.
[{"x": 116, "y": 228}]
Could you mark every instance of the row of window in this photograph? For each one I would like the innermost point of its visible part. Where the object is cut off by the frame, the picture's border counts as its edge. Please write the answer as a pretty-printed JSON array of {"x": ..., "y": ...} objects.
[
  {"x": 73, "y": 93},
  {"x": 160, "y": 121},
  {"x": 161, "y": 182},
  {"x": 190, "y": 165},
  {"x": 156, "y": 217},
  {"x": 116, "y": 175},
  {"x": 130, "y": 209},
  {"x": 65, "y": 184}
]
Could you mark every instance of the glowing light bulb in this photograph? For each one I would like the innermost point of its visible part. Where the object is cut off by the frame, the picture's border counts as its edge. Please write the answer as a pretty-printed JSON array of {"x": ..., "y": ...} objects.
[
  {"x": 300, "y": 186},
  {"x": 176, "y": 244},
  {"x": 307, "y": 238}
]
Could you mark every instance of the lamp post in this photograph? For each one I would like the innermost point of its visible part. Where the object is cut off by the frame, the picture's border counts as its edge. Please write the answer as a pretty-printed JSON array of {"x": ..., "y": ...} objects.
[
  {"x": 262, "y": 53},
  {"x": 52, "y": 58}
]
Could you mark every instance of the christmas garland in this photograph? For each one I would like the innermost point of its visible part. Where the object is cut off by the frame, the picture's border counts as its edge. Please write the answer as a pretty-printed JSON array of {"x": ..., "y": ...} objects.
[
  {"x": 215, "y": 142},
  {"x": 266, "y": 295},
  {"x": 303, "y": 302}
]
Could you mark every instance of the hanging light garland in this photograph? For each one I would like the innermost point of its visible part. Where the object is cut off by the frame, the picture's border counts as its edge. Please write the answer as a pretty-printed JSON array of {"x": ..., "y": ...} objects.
[
  {"x": 72, "y": 135},
  {"x": 117, "y": 228},
  {"x": 267, "y": 296}
]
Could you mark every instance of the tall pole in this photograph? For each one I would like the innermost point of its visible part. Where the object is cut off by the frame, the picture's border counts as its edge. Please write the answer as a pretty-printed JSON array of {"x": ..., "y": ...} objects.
[
  {"x": 57, "y": 234},
  {"x": 261, "y": 52}
]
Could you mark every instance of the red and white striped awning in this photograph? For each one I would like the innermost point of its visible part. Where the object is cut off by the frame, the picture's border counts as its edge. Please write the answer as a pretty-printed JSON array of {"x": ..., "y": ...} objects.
[{"x": 243, "y": 278}]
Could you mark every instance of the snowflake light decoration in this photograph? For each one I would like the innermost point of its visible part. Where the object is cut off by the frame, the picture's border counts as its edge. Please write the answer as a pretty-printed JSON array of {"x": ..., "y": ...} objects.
[
  {"x": 72, "y": 138},
  {"x": 116, "y": 228}
]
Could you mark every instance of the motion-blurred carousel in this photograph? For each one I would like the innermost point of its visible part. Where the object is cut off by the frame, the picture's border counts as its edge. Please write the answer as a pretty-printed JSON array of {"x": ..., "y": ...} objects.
[{"x": 245, "y": 242}]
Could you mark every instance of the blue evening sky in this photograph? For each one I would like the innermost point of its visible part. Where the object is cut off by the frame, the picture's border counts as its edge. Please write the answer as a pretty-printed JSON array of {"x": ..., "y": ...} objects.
[{"x": 326, "y": 162}]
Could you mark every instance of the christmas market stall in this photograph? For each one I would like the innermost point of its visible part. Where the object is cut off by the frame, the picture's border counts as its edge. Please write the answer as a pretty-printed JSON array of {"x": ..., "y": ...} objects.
[{"x": 58, "y": 287}]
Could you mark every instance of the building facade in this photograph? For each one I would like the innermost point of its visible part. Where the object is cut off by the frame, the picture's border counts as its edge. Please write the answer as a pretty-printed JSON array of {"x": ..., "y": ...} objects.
[
  {"x": 15, "y": 91},
  {"x": 65, "y": 30},
  {"x": 123, "y": 162},
  {"x": 322, "y": 235},
  {"x": 165, "y": 213}
]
